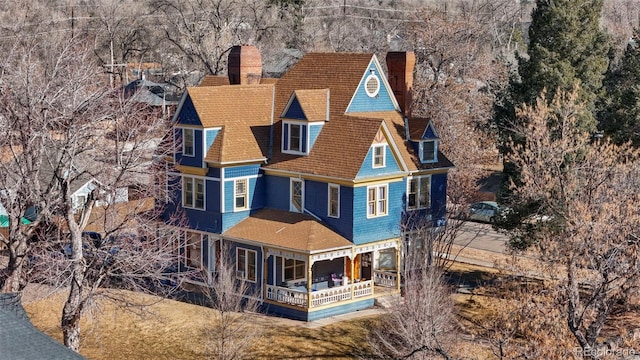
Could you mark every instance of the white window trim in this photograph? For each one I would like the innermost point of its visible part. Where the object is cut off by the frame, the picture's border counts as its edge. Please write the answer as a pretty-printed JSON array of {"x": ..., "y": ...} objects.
[
  {"x": 386, "y": 204},
  {"x": 383, "y": 148},
  {"x": 435, "y": 151},
  {"x": 366, "y": 90},
  {"x": 288, "y": 150},
  {"x": 245, "y": 272},
  {"x": 304, "y": 273},
  {"x": 193, "y": 145},
  {"x": 420, "y": 179},
  {"x": 329, "y": 187},
  {"x": 193, "y": 195},
  {"x": 291, "y": 207},
  {"x": 246, "y": 195}
]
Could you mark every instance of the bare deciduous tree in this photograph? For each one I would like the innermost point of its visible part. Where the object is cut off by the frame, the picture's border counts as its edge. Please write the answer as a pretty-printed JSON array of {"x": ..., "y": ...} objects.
[
  {"x": 588, "y": 188},
  {"x": 423, "y": 324},
  {"x": 232, "y": 332}
]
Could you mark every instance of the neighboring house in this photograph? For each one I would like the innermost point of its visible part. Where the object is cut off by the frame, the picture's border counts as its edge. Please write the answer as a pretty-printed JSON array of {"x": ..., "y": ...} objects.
[
  {"x": 20, "y": 340},
  {"x": 308, "y": 181},
  {"x": 160, "y": 95},
  {"x": 83, "y": 183}
]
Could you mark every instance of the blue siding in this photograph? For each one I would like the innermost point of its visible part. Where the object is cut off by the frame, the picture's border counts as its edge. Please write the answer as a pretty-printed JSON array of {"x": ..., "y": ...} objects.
[
  {"x": 196, "y": 160},
  {"x": 229, "y": 200},
  {"x": 232, "y": 246},
  {"x": 188, "y": 114},
  {"x": 363, "y": 103},
  {"x": 429, "y": 133},
  {"x": 255, "y": 199},
  {"x": 277, "y": 192},
  {"x": 382, "y": 227},
  {"x": 210, "y": 136},
  {"x": 240, "y": 171},
  {"x": 439, "y": 196},
  {"x": 367, "y": 169},
  {"x": 295, "y": 111},
  {"x": 316, "y": 201},
  {"x": 208, "y": 221},
  {"x": 214, "y": 172},
  {"x": 314, "y": 131}
]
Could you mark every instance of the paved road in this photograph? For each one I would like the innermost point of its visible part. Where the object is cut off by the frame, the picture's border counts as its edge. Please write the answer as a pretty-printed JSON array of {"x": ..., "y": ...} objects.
[{"x": 481, "y": 236}]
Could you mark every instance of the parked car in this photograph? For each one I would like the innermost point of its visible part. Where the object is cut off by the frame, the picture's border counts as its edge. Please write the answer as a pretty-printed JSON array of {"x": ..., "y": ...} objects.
[{"x": 486, "y": 211}]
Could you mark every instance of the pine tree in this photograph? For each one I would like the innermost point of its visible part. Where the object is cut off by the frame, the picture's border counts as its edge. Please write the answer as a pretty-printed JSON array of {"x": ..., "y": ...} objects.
[
  {"x": 567, "y": 48},
  {"x": 620, "y": 118},
  {"x": 567, "y": 53}
]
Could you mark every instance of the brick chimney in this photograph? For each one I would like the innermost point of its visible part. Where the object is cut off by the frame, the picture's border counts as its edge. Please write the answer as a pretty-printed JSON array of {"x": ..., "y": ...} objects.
[
  {"x": 400, "y": 66},
  {"x": 245, "y": 65}
]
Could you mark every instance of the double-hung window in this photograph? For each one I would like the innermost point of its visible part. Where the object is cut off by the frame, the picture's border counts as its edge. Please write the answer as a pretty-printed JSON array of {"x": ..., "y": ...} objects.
[
  {"x": 187, "y": 142},
  {"x": 378, "y": 156},
  {"x": 428, "y": 151},
  {"x": 419, "y": 193},
  {"x": 246, "y": 264},
  {"x": 294, "y": 269},
  {"x": 334, "y": 201},
  {"x": 377, "y": 204},
  {"x": 241, "y": 190},
  {"x": 294, "y": 138},
  {"x": 193, "y": 193}
]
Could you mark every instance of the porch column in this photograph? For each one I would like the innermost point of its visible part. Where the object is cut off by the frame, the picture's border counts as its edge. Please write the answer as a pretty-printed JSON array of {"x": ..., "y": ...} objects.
[
  {"x": 353, "y": 260},
  {"x": 309, "y": 280}
]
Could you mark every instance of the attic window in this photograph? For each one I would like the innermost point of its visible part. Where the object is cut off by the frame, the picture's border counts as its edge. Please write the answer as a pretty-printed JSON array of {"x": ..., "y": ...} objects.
[{"x": 372, "y": 85}]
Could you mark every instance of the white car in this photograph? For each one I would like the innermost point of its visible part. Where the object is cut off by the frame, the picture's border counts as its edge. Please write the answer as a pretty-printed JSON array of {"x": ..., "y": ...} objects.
[{"x": 485, "y": 211}]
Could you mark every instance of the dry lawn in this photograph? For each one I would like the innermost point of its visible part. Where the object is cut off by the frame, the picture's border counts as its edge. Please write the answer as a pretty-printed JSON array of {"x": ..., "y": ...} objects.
[{"x": 175, "y": 330}]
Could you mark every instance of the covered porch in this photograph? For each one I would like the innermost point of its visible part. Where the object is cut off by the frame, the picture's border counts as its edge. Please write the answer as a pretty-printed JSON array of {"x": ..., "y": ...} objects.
[{"x": 339, "y": 276}]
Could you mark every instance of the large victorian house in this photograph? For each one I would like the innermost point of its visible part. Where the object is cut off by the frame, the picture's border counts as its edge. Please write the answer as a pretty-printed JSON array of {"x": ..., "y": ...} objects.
[{"x": 306, "y": 180}]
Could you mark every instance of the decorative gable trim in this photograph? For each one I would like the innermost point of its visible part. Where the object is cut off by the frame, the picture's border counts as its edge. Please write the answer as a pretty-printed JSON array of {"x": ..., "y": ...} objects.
[
  {"x": 291, "y": 105},
  {"x": 394, "y": 147}
]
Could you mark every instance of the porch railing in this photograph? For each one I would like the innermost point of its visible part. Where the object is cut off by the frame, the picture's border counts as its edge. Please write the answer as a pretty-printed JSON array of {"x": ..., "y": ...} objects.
[
  {"x": 320, "y": 297},
  {"x": 363, "y": 288},
  {"x": 328, "y": 296},
  {"x": 287, "y": 295},
  {"x": 385, "y": 278}
]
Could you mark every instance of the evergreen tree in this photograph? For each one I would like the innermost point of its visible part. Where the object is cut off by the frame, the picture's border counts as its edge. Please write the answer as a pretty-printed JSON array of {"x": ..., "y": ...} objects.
[
  {"x": 566, "y": 48},
  {"x": 620, "y": 118},
  {"x": 567, "y": 53}
]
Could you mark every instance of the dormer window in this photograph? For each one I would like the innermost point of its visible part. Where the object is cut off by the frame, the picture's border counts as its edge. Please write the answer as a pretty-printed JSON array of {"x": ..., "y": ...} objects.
[
  {"x": 378, "y": 156},
  {"x": 294, "y": 138},
  {"x": 428, "y": 151}
]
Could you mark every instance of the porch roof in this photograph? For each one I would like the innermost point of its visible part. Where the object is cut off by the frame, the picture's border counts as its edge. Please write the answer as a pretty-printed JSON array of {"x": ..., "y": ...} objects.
[{"x": 289, "y": 230}]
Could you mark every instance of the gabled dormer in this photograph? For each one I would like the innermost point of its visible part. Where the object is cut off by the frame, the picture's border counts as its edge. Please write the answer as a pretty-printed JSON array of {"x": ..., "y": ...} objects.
[
  {"x": 383, "y": 156},
  {"x": 428, "y": 147},
  {"x": 302, "y": 119},
  {"x": 424, "y": 137},
  {"x": 373, "y": 92}
]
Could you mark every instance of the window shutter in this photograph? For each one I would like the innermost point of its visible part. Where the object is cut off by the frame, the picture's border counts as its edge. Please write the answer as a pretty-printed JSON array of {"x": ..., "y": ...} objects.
[
  {"x": 285, "y": 137},
  {"x": 303, "y": 138}
]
